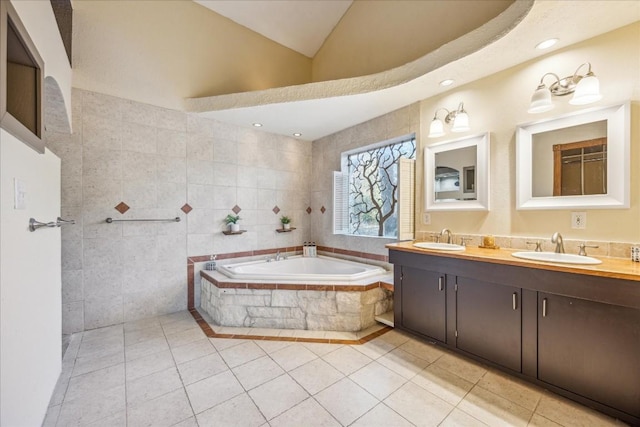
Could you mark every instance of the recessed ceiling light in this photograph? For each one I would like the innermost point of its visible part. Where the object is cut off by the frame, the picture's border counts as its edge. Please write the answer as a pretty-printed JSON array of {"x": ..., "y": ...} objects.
[
  {"x": 447, "y": 82},
  {"x": 258, "y": 125},
  {"x": 546, "y": 44},
  {"x": 297, "y": 134}
]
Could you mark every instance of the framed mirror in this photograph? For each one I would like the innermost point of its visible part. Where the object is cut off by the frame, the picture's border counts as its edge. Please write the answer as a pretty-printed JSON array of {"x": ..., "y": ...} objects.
[
  {"x": 575, "y": 161},
  {"x": 457, "y": 174}
]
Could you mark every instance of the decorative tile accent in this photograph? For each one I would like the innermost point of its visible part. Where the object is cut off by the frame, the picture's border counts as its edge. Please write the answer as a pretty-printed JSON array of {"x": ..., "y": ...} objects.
[
  {"x": 309, "y": 210},
  {"x": 276, "y": 209},
  {"x": 236, "y": 209},
  {"x": 122, "y": 207},
  {"x": 186, "y": 208},
  {"x": 323, "y": 209}
]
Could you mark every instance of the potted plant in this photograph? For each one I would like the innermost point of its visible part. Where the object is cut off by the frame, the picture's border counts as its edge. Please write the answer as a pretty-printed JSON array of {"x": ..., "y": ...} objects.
[
  {"x": 286, "y": 222},
  {"x": 232, "y": 222}
]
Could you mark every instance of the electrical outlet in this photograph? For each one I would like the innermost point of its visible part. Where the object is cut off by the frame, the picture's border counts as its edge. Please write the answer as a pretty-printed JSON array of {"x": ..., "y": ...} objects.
[
  {"x": 426, "y": 219},
  {"x": 19, "y": 194},
  {"x": 579, "y": 220}
]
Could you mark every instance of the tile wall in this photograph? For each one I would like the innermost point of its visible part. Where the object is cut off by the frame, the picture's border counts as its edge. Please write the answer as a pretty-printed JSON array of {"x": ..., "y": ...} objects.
[{"x": 160, "y": 163}]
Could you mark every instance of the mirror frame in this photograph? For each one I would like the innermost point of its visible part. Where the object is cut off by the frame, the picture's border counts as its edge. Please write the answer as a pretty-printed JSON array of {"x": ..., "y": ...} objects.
[
  {"x": 618, "y": 160},
  {"x": 481, "y": 142}
]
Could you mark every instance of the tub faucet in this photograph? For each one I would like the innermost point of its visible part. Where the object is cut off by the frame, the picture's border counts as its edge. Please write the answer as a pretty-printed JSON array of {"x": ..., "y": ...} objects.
[
  {"x": 447, "y": 232},
  {"x": 278, "y": 256},
  {"x": 557, "y": 239}
]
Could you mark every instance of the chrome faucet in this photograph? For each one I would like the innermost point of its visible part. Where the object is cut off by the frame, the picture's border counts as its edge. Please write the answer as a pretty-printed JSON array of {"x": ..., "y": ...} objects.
[
  {"x": 278, "y": 256},
  {"x": 557, "y": 239},
  {"x": 447, "y": 232}
]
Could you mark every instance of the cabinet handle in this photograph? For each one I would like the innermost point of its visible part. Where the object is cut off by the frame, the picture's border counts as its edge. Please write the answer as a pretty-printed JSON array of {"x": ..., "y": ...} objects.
[
  {"x": 440, "y": 284},
  {"x": 544, "y": 307},
  {"x": 515, "y": 300}
]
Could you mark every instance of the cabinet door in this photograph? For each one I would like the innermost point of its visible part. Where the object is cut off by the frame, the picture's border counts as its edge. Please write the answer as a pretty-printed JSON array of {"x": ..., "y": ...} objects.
[
  {"x": 424, "y": 302},
  {"x": 489, "y": 321},
  {"x": 591, "y": 349}
]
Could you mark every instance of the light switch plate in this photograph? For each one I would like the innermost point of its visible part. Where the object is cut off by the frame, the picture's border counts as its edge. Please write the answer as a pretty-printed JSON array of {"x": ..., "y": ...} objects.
[
  {"x": 579, "y": 220},
  {"x": 19, "y": 194}
]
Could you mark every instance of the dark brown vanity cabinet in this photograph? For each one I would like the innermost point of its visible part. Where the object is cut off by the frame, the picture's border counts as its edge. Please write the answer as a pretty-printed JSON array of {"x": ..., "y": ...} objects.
[
  {"x": 576, "y": 334},
  {"x": 424, "y": 302},
  {"x": 579, "y": 346},
  {"x": 488, "y": 321}
]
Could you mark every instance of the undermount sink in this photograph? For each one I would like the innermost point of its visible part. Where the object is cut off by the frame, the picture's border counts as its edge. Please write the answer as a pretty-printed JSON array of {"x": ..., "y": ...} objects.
[
  {"x": 439, "y": 246},
  {"x": 556, "y": 257}
]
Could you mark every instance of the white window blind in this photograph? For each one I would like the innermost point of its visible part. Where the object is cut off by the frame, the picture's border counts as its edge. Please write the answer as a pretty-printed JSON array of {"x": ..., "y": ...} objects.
[
  {"x": 340, "y": 203},
  {"x": 406, "y": 199}
]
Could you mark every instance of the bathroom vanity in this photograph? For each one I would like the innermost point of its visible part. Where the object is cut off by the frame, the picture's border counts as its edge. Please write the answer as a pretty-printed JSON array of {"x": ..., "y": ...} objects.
[{"x": 574, "y": 330}]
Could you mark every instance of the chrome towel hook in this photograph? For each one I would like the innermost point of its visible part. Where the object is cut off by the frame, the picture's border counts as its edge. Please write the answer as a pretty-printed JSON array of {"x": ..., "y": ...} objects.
[{"x": 34, "y": 225}]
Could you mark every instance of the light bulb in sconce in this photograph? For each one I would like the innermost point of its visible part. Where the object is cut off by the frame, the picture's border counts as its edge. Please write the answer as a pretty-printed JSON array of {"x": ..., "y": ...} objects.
[
  {"x": 436, "y": 129},
  {"x": 458, "y": 118},
  {"x": 460, "y": 121},
  {"x": 585, "y": 89}
]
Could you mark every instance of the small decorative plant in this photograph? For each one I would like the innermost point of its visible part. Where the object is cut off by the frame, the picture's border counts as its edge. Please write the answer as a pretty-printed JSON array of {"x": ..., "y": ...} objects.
[
  {"x": 232, "y": 222},
  {"x": 286, "y": 222}
]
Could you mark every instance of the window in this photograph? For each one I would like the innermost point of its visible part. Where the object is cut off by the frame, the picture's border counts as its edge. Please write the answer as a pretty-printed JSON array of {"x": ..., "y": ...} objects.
[{"x": 374, "y": 192}]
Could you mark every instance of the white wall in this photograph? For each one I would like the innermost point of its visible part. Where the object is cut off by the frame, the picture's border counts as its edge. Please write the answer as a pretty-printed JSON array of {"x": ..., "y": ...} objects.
[{"x": 30, "y": 284}]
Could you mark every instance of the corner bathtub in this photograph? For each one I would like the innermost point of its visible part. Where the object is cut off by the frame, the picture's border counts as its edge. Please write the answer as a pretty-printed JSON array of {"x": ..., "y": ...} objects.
[
  {"x": 302, "y": 269},
  {"x": 319, "y": 293}
]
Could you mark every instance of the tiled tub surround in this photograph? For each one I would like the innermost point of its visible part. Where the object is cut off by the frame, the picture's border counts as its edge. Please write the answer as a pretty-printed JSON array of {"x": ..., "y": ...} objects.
[{"x": 307, "y": 306}]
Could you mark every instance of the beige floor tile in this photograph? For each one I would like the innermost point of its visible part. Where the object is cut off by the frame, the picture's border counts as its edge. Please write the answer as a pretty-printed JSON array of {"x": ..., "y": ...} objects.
[
  {"x": 103, "y": 379},
  {"x": 462, "y": 367},
  {"x": 142, "y": 335},
  {"x": 212, "y": 391},
  {"x": 152, "y": 386},
  {"x": 266, "y": 332},
  {"x": 192, "y": 350},
  {"x": 102, "y": 334},
  {"x": 511, "y": 389},
  {"x": 322, "y": 349},
  {"x": 174, "y": 317},
  {"x": 257, "y": 372},
  {"x": 187, "y": 336},
  {"x": 239, "y": 411},
  {"x": 378, "y": 380},
  {"x": 540, "y": 421},
  {"x": 346, "y": 401},
  {"x": 92, "y": 407},
  {"x": 166, "y": 410},
  {"x": 418, "y": 405},
  {"x": 293, "y": 356},
  {"x": 146, "y": 348},
  {"x": 375, "y": 348},
  {"x": 395, "y": 337},
  {"x": 278, "y": 396},
  {"x": 141, "y": 324},
  {"x": 567, "y": 413},
  {"x": 370, "y": 330},
  {"x": 201, "y": 368},
  {"x": 381, "y": 416},
  {"x": 308, "y": 413},
  {"x": 101, "y": 347},
  {"x": 273, "y": 346},
  {"x": 347, "y": 360},
  {"x": 494, "y": 410},
  {"x": 149, "y": 364},
  {"x": 115, "y": 420},
  {"x": 240, "y": 354},
  {"x": 316, "y": 375},
  {"x": 189, "y": 422},
  {"x": 403, "y": 363},
  {"x": 179, "y": 326},
  {"x": 84, "y": 365},
  {"x": 224, "y": 343},
  {"x": 458, "y": 418},
  {"x": 444, "y": 384},
  {"x": 421, "y": 349}
]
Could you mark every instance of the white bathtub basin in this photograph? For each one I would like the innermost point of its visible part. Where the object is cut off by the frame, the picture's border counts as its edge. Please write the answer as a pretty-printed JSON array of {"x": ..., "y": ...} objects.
[
  {"x": 439, "y": 246},
  {"x": 555, "y": 257},
  {"x": 302, "y": 269}
]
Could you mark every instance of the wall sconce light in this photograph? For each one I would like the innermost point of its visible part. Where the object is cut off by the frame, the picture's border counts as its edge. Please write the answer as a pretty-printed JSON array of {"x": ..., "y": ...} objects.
[
  {"x": 585, "y": 89},
  {"x": 459, "y": 117}
]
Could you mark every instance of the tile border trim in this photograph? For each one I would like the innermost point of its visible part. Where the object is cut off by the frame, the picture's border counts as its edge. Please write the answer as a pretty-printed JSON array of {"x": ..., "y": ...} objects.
[{"x": 210, "y": 333}]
